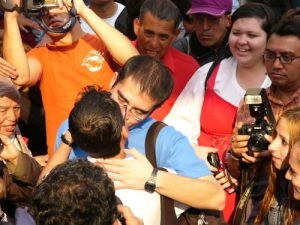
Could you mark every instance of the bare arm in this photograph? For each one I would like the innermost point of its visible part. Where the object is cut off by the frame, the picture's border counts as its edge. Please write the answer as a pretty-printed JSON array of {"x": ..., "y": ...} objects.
[
  {"x": 119, "y": 46},
  {"x": 28, "y": 69},
  {"x": 60, "y": 156},
  {"x": 204, "y": 193}
]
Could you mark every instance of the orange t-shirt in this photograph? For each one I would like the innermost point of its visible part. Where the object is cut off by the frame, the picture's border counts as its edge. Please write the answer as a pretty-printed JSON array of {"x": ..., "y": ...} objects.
[{"x": 65, "y": 71}]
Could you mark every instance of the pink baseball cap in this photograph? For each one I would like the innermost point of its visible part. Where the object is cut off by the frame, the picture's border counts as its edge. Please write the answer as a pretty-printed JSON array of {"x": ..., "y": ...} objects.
[{"x": 211, "y": 7}]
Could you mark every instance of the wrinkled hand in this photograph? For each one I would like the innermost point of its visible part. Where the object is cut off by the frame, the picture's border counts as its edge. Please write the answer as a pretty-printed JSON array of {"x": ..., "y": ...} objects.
[
  {"x": 223, "y": 180},
  {"x": 24, "y": 22},
  {"x": 130, "y": 219},
  {"x": 202, "y": 153},
  {"x": 131, "y": 174},
  {"x": 9, "y": 152},
  {"x": 8, "y": 70}
]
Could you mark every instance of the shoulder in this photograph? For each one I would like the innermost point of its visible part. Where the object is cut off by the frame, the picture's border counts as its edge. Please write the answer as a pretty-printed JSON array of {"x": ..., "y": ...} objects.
[{"x": 183, "y": 58}]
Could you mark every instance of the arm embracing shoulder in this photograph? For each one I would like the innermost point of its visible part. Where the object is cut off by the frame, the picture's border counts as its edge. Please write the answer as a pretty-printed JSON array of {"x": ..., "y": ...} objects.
[{"x": 203, "y": 193}]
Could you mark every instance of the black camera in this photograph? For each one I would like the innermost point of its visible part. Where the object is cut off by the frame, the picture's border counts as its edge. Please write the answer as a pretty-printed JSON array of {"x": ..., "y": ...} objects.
[
  {"x": 34, "y": 10},
  {"x": 260, "y": 109},
  {"x": 214, "y": 160}
]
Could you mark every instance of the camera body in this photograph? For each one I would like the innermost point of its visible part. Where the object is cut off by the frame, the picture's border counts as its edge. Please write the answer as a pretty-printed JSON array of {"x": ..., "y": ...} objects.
[
  {"x": 34, "y": 9},
  {"x": 260, "y": 109},
  {"x": 28, "y": 7}
]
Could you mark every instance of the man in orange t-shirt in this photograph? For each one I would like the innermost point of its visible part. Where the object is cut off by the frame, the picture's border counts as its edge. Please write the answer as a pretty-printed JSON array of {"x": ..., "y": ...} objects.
[{"x": 73, "y": 60}]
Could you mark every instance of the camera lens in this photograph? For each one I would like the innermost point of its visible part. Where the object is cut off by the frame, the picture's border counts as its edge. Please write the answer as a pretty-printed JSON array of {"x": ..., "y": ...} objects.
[{"x": 257, "y": 143}]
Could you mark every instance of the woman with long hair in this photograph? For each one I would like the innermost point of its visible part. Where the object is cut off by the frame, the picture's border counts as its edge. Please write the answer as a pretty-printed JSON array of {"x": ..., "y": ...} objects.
[{"x": 278, "y": 206}]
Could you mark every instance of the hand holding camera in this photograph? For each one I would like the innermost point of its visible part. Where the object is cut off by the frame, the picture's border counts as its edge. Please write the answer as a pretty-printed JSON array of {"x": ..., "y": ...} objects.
[{"x": 254, "y": 138}]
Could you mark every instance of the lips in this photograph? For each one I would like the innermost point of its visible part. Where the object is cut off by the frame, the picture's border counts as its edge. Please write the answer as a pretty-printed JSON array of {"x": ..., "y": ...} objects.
[
  {"x": 152, "y": 53},
  {"x": 276, "y": 76}
]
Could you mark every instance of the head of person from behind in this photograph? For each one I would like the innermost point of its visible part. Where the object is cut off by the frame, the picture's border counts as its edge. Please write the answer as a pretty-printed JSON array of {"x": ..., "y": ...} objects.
[
  {"x": 96, "y": 124},
  {"x": 282, "y": 53},
  {"x": 251, "y": 25},
  {"x": 142, "y": 85},
  {"x": 157, "y": 27},
  {"x": 211, "y": 21},
  {"x": 10, "y": 107},
  {"x": 75, "y": 192}
]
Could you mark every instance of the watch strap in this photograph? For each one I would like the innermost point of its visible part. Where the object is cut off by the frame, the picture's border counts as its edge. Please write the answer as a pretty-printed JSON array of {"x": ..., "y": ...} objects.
[{"x": 65, "y": 141}]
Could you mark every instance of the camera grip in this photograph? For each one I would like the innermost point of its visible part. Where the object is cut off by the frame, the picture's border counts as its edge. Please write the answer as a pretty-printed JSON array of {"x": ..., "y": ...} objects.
[{"x": 213, "y": 159}]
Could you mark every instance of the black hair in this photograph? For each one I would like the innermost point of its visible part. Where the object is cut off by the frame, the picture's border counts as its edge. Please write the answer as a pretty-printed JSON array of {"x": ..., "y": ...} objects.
[
  {"x": 256, "y": 10},
  {"x": 96, "y": 122},
  {"x": 74, "y": 193},
  {"x": 151, "y": 75},
  {"x": 161, "y": 9},
  {"x": 289, "y": 24}
]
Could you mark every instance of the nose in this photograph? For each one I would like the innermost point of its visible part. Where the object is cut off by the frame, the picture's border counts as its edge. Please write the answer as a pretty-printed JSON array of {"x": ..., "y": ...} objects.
[
  {"x": 277, "y": 63},
  {"x": 205, "y": 23},
  {"x": 154, "y": 42},
  {"x": 242, "y": 39},
  {"x": 11, "y": 115},
  {"x": 288, "y": 175},
  {"x": 272, "y": 146}
]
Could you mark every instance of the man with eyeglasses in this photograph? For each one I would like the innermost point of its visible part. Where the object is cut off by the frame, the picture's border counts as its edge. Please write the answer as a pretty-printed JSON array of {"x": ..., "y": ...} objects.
[
  {"x": 282, "y": 62},
  {"x": 142, "y": 85}
]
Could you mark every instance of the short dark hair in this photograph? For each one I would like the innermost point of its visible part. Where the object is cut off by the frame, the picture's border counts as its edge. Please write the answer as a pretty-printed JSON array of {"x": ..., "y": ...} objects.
[
  {"x": 161, "y": 9},
  {"x": 75, "y": 192},
  {"x": 152, "y": 76},
  {"x": 96, "y": 122},
  {"x": 256, "y": 10},
  {"x": 289, "y": 24}
]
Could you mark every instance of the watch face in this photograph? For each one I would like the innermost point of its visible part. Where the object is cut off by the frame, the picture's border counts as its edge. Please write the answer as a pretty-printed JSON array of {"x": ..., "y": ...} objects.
[{"x": 150, "y": 186}]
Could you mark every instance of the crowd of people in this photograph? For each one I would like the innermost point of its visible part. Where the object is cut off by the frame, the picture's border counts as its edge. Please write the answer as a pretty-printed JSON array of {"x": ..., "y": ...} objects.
[{"x": 221, "y": 75}]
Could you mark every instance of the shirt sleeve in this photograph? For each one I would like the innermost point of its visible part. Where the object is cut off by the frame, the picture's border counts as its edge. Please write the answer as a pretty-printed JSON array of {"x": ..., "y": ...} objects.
[{"x": 174, "y": 151}]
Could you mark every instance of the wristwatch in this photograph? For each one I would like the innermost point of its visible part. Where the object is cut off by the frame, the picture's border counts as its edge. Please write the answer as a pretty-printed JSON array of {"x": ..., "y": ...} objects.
[
  {"x": 150, "y": 185},
  {"x": 65, "y": 141}
]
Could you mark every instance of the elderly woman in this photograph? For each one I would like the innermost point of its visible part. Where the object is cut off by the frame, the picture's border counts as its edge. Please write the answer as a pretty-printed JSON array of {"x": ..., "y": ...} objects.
[{"x": 18, "y": 169}]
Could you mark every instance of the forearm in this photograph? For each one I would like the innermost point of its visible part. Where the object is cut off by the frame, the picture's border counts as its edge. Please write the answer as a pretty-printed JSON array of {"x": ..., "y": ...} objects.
[
  {"x": 203, "y": 193},
  {"x": 25, "y": 168},
  {"x": 13, "y": 49},
  {"x": 119, "y": 46},
  {"x": 60, "y": 156}
]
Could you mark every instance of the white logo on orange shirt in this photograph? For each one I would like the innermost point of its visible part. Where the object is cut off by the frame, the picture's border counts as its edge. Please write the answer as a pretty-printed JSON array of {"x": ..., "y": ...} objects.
[{"x": 93, "y": 61}]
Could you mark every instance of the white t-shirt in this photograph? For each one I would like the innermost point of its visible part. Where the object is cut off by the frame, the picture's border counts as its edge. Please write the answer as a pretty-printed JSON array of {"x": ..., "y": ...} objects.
[
  {"x": 143, "y": 204},
  {"x": 111, "y": 20},
  {"x": 185, "y": 113}
]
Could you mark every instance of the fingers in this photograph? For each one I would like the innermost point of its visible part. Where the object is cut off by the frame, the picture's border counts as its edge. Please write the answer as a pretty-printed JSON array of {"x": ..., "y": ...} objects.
[
  {"x": 7, "y": 70},
  {"x": 269, "y": 138},
  {"x": 128, "y": 216},
  {"x": 250, "y": 159},
  {"x": 212, "y": 168},
  {"x": 134, "y": 153}
]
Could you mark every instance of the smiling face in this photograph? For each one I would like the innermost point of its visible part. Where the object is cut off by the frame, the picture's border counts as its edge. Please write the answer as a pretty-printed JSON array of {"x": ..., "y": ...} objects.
[
  {"x": 247, "y": 41},
  {"x": 9, "y": 115},
  {"x": 293, "y": 174},
  {"x": 154, "y": 36},
  {"x": 285, "y": 76}
]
